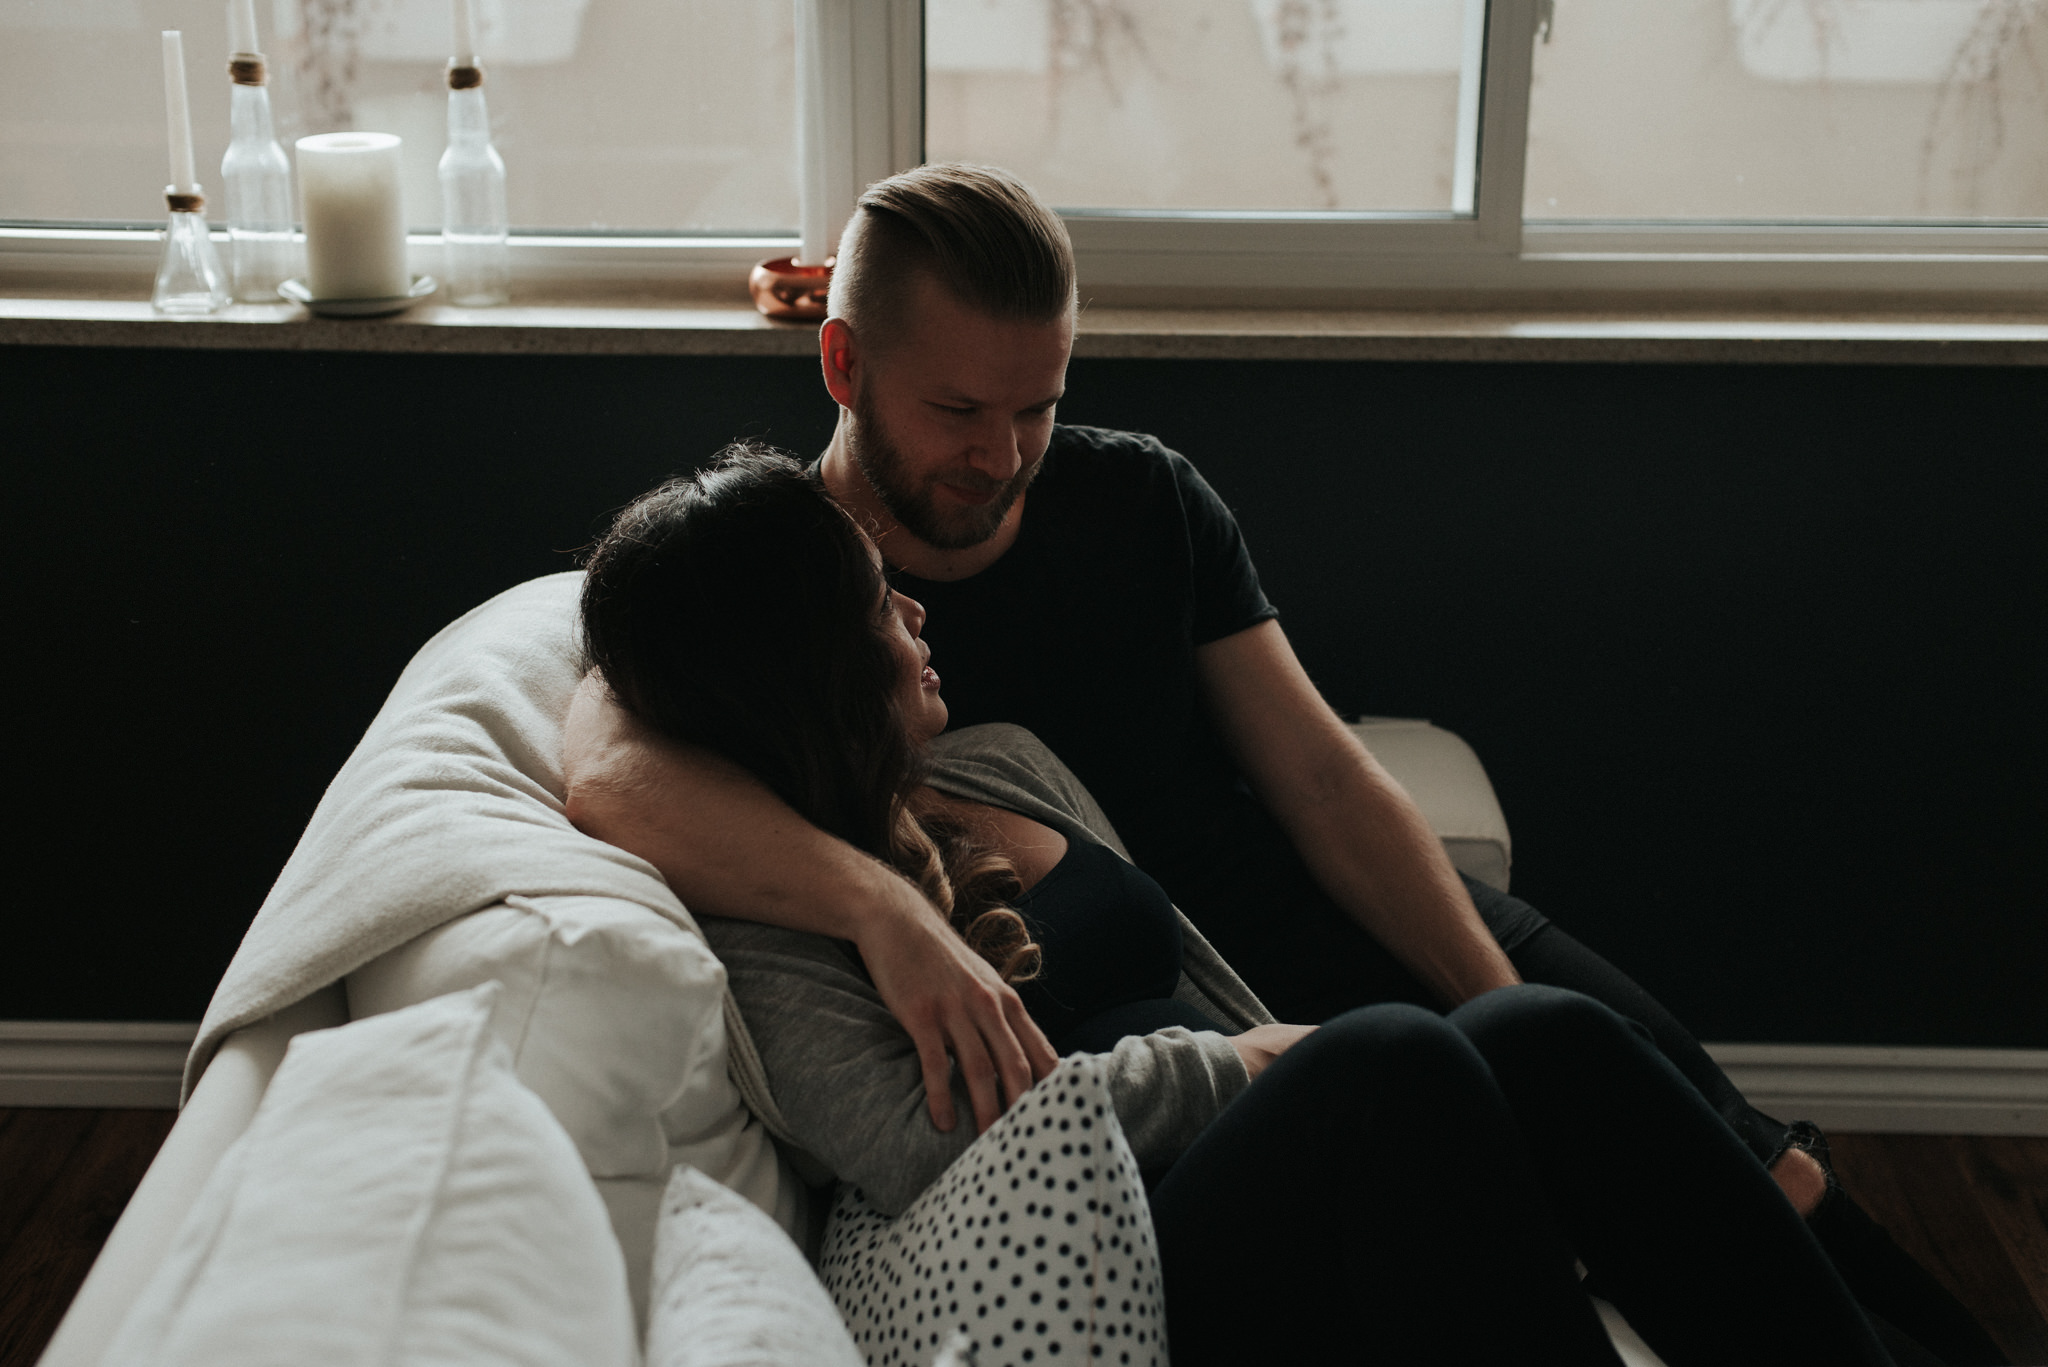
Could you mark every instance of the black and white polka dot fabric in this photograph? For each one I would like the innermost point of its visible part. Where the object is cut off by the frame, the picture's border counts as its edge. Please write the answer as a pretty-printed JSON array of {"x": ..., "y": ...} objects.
[{"x": 1036, "y": 1245}]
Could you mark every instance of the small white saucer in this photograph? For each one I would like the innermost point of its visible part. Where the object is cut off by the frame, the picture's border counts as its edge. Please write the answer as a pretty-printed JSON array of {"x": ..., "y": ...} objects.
[{"x": 296, "y": 291}]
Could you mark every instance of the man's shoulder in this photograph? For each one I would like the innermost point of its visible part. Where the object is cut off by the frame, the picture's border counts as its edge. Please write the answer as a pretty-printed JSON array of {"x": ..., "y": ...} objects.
[
  {"x": 1114, "y": 445},
  {"x": 1103, "y": 458}
]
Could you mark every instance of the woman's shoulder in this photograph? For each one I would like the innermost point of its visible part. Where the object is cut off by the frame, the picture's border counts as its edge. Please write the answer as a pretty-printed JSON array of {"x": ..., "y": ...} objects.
[
  {"x": 765, "y": 948},
  {"x": 993, "y": 742},
  {"x": 1002, "y": 752},
  {"x": 1005, "y": 765}
]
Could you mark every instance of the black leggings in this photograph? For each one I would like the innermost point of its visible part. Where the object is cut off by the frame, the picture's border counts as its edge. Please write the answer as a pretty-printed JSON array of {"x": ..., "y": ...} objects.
[
  {"x": 1407, "y": 1187},
  {"x": 1309, "y": 961},
  {"x": 1551, "y": 956}
]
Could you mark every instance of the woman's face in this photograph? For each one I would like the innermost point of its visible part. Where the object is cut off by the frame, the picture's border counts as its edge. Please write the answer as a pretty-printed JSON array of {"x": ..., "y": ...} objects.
[{"x": 917, "y": 684}]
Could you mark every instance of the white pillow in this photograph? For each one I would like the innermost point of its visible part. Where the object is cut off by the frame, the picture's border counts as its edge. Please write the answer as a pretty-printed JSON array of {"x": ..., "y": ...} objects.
[
  {"x": 398, "y": 1197},
  {"x": 731, "y": 1290},
  {"x": 614, "y": 1017},
  {"x": 1036, "y": 1244},
  {"x": 609, "y": 1010}
]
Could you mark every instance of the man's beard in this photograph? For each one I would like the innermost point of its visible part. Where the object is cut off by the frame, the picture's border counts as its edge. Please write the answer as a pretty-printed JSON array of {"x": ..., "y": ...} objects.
[{"x": 916, "y": 509}]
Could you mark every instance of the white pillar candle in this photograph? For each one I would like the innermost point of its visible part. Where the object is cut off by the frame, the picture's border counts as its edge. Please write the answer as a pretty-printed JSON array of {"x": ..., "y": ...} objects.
[
  {"x": 242, "y": 28},
  {"x": 355, "y": 220},
  {"x": 184, "y": 180},
  {"x": 465, "y": 33}
]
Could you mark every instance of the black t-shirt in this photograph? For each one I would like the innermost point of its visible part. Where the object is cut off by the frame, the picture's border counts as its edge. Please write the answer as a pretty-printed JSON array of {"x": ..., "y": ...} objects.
[{"x": 1085, "y": 631}]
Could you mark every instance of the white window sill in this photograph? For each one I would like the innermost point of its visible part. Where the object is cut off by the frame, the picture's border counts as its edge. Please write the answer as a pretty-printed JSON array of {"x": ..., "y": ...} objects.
[
  {"x": 1832, "y": 294},
  {"x": 594, "y": 325}
]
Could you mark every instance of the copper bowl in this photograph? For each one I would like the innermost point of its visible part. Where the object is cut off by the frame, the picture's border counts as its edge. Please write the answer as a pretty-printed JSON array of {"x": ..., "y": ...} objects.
[{"x": 783, "y": 289}]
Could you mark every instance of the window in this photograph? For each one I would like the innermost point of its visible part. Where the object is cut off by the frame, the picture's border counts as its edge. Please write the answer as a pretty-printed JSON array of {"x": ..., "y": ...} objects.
[
  {"x": 1249, "y": 149},
  {"x": 617, "y": 114},
  {"x": 1246, "y": 105},
  {"x": 1790, "y": 110}
]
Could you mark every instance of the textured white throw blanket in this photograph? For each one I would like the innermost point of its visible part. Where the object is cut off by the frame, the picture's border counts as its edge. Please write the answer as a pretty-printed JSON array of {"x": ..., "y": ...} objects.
[{"x": 451, "y": 803}]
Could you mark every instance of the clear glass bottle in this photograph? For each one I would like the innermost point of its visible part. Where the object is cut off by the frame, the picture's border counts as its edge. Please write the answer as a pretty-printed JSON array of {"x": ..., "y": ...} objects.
[
  {"x": 259, "y": 188},
  {"x": 188, "y": 276},
  {"x": 474, "y": 223}
]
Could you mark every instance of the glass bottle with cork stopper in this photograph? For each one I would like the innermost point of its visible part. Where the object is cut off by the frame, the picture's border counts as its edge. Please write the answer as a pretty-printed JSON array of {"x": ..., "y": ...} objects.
[
  {"x": 474, "y": 221},
  {"x": 255, "y": 171}
]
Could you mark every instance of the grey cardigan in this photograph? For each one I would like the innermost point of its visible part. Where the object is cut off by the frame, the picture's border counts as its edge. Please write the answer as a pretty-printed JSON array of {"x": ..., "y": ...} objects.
[{"x": 834, "y": 1076}]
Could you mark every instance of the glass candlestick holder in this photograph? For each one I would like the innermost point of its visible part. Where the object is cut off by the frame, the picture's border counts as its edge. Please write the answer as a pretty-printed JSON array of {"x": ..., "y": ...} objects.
[
  {"x": 189, "y": 278},
  {"x": 474, "y": 223}
]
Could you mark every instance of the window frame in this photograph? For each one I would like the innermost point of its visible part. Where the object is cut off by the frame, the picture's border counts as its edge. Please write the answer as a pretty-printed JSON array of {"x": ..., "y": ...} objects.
[{"x": 873, "y": 95}]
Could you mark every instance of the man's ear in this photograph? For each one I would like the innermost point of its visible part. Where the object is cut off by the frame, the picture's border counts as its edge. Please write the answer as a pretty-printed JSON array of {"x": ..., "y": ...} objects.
[{"x": 839, "y": 356}]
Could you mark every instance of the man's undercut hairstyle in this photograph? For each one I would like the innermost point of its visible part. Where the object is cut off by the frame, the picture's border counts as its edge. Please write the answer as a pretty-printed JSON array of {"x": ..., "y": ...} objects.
[{"x": 976, "y": 230}]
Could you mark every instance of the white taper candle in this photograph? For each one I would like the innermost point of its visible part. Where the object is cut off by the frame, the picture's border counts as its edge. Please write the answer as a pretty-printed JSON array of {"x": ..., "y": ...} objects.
[
  {"x": 184, "y": 180},
  {"x": 242, "y": 27},
  {"x": 465, "y": 33},
  {"x": 355, "y": 220},
  {"x": 810, "y": 136}
]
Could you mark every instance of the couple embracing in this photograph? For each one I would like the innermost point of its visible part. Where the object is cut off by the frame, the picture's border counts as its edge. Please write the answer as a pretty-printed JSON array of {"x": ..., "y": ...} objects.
[{"x": 890, "y": 722}]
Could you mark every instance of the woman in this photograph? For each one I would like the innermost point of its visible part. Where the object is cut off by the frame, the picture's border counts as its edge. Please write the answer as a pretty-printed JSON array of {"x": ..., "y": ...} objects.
[{"x": 1357, "y": 1189}]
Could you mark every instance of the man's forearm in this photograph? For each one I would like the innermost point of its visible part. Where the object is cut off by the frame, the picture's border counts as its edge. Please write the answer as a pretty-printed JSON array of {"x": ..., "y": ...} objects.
[
  {"x": 1373, "y": 852},
  {"x": 726, "y": 845},
  {"x": 735, "y": 850},
  {"x": 1360, "y": 834}
]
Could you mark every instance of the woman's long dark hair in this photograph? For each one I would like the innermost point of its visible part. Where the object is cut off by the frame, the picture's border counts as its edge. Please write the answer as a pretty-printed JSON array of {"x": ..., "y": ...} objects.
[{"x": 738, "y": 611}]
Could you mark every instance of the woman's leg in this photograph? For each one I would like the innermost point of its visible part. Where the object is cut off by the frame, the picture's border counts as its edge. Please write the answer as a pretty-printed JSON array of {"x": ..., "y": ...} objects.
[
  {"x": 1309, "y": 961},
  {"x": 1671, "y": 1211},
  {"x": 1367, "y": 1199},
  {"x": 1549, "y": 955}
]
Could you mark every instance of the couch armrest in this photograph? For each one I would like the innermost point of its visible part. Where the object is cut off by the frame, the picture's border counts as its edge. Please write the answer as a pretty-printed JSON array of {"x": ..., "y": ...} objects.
[
  {"x": 221, "y": 1107},
  {"x": 1449, "y": 784}
]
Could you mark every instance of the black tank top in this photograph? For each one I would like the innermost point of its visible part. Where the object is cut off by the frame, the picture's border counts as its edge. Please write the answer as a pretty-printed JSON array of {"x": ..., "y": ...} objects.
[{"x": 1109, "y": 934}]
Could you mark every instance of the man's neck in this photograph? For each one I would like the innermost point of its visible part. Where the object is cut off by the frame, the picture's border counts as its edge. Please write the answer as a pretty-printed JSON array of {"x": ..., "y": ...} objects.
[{"x": 901, "y": 549}]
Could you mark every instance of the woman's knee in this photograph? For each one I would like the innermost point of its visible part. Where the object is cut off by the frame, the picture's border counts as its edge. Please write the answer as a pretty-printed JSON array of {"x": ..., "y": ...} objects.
[
  {"x": 1392, "y": 1049},
  {"x": 1534, "y": 1020}
]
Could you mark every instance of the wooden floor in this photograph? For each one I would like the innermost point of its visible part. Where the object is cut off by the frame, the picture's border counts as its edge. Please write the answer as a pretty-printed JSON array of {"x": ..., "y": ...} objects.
[
  {"x": 64, "y": 1177},
  {"x": 1974, "y": 1210}
]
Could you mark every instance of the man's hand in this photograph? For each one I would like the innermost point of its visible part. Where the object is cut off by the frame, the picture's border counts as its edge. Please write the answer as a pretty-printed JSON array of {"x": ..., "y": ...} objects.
[
  {"x": 950, "y": 1001},
  {"x": 1261, "y": 1044},
  {"x": 729, "y": 847}
]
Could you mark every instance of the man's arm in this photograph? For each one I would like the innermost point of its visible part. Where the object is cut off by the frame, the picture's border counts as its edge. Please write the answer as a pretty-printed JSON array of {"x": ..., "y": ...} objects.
[
  {"x": 729, "y": 847},
  {"x": 1360, "y": 834}
]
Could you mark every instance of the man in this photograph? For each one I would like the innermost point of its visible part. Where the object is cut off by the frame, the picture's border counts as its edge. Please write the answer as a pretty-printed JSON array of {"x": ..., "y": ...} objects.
[{"x": 1090, "y": 586}]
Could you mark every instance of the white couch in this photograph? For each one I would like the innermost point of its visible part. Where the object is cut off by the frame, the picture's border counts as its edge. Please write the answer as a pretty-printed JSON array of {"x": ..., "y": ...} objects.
[{"x": 573, "y": 959}]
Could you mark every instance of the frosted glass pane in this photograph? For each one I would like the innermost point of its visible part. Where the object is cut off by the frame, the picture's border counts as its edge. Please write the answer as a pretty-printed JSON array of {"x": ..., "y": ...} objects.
[
  {"x": 609, "y": 113},
  {"x": 1787, "y": 109},
  {"x": 1209, "y": 104}
]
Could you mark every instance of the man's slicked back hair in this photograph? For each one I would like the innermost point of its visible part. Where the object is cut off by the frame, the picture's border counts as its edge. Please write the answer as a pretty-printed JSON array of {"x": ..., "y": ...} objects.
[{"x": 976, "y": 230}]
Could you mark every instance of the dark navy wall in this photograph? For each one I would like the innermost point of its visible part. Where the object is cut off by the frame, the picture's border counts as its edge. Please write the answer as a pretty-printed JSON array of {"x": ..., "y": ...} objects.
[{"x": 1753, "y": 654}]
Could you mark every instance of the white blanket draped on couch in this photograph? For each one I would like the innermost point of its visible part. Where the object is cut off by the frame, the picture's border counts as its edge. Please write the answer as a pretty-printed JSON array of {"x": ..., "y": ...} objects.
[{"x": 440, "y": 857}]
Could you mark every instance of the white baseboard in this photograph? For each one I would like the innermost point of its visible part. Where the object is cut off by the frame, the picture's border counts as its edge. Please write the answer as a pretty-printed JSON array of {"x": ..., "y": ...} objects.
[
  {"x": 1840, "y": 1087},
  {"x": 93, "y": 1063},
  {"x": 1898, "y": 1091}
]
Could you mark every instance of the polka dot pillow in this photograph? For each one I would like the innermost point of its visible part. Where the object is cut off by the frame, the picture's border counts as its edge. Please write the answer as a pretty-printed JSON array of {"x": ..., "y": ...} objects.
[{"x": 1035, "y": 1246}]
